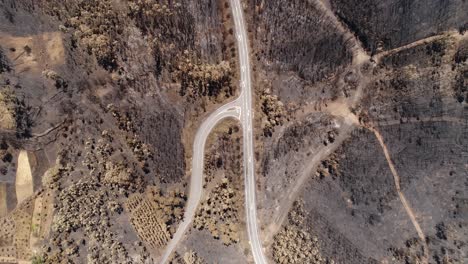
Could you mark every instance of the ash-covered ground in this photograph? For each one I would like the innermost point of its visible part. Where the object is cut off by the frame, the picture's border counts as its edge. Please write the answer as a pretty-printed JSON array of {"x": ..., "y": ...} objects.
[{"x": 361, "y": 130}]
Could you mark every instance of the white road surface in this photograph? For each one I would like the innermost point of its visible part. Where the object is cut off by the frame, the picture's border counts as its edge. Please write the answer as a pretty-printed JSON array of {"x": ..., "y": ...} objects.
[
  {"x": 232, "y": 110},
  {"x": 241, "y": 108},
  {"x": 246, "y": 120}
]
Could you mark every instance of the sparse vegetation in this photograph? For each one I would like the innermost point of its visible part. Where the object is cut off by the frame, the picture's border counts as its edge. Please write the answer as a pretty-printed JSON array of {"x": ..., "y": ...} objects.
[
  {"x": 37, "y": 260},
  {"x": 461, "y": 84},
  {"x": 160, "y": 18},
  {"x": 4, "y": 65},
  {"x": 7, "y": 110},
  {"x": 14, "y": 113},
  {"x": 293, "y": 244},
  {"x": 125, "y": 123},
  {"x": 88, "y": 205},
  {"x": 198, "y": 79},
  {"x": 22, "y": 218},
  {"x": 94, "y": 26},
  {"x": 460, "y": 63},
  {"x": 274, "y": 111},
  {"x": 190, "y": 257},
  {"x": 219, "y": 213},
  {"x": 154, "y": 215},
  {"x": 7, "y": 234},
  {"x": 60, "y": 83},
  {"x": 328, "y": 167},
  {"x": 412, "y": 253}
]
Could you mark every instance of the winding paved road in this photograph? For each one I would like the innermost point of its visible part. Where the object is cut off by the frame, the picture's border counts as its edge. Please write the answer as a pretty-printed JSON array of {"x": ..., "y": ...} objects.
[
  {"x": 241, "y": 108},
  {"x": 232, "y": 110}
]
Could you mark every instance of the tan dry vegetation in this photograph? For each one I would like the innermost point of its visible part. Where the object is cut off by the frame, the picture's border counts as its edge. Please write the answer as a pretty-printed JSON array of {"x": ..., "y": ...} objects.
[
  {"x": 154, "y": 216},
  {"x": 8, "y": 260},
  {"x": 273, "y": 109},
  {"x": 218, "y": 213},
  {"x": 117, "y": 173},
  {"x": 46, "y": 214},
  {"x": 24, "y": 180},
  {"x": 293, "y": 244},
  {"x": 14, "y": 111},
  {"x": 202, "y": 79},
  {"x": 3, "y": 200},
  {"x": 7, "y": 249},
  {"x": 7, "y": 111},
  {"x": 189, "y": 257},
  {"x": 31, "y": 50},
  {"x": 327, "y": 167},
  {"x": 222, "y": 127},
  {"x": 22, "y": 217},
  {"x": 36, "y": 222}
]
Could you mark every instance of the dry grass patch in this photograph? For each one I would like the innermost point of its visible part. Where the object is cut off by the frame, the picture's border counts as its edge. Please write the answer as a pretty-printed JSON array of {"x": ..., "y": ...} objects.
[
  {"x": 154, "y": 215},
  {"x": 3, "y": 200},
  {"x": 24, "y": 180},
  {"x": 27, "y": 53}
]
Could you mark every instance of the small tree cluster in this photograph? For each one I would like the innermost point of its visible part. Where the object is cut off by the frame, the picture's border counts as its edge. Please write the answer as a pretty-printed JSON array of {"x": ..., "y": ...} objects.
[
  {"x": 274, "y": 111},
  {"x": 219, "y": 213},
  {"x": 94, "y": 25},
  {"x": 150, "y": 14},
  {"x": 189, "y": 257},
  {"x": 328, "y": 167},
  {"x": 87, "y": 207},
  {"x": 4, "y": 65},
  {"x": 14, "y": 113},
  {"x": 60, "y": 83},
  {"x": 154, "y": 215},
  {"x": 125, "y": 123},
  {"x": 293, "y": 244},
  {"x": 201, "y": 79},
  {"x": 169, "y": 21},
  {"x": 7, "y": 110}
]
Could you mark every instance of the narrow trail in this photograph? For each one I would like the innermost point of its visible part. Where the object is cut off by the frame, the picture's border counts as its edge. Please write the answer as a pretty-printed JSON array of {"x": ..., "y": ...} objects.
[
  {"x": 229, "y": 110},
  {"x": 359, "y": 53},
  {"x": 425, "y": 120},
  {"x": 454, "y": 34},
  {"x": 403, "y": 200},
  {"x": 45, "y": 133},
  {"x": 350, "y": 122},
  {"x": 341, "y": 109},
  {"x": 360, "y": 56}
]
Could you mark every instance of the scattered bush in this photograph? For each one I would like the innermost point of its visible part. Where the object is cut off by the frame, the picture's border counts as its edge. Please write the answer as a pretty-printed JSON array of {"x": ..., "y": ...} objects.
[{"x": 14, "y": 113}]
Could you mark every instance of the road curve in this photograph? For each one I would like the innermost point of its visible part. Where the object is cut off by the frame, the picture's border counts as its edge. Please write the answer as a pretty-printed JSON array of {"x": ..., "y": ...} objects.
[
  {"x": 241, "y": 108},
  {"x": 232, "y": 110}
]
